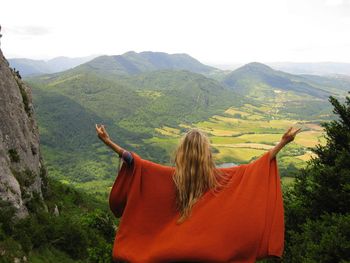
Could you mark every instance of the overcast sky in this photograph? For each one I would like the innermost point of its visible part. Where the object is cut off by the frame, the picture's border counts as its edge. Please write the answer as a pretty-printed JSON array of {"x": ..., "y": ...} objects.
[{"x": 213, "y": 31}]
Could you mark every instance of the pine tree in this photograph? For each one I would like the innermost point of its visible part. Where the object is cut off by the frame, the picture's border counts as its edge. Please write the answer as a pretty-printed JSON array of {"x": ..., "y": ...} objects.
[{"x": 318, "y": 206}]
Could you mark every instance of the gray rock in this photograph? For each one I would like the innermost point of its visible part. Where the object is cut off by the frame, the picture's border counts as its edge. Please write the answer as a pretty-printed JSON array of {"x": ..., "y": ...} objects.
[
  {"x": 22, "y": 174},
  {"x": 55, "y": 211}
]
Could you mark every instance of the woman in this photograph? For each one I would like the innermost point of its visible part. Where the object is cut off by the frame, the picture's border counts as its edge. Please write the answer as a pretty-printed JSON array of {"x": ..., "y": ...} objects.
[{"x": 195, "y": 212}]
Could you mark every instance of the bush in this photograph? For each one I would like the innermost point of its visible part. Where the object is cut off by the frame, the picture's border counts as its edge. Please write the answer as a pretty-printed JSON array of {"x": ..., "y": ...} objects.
[
  {"x": 317, "y": 208},
  {"x": 14, "y": 157},
  {"x": 323, "y": 240},
  {"x": 86, "y": 237}
]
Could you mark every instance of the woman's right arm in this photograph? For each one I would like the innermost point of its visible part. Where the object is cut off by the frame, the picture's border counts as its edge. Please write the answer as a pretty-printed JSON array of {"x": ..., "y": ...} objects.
[{"x": 287, "y": 137}]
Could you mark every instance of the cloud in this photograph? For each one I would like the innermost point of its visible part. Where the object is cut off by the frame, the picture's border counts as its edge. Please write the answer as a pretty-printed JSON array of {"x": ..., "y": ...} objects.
[
  {"x": 29, "y": 30},
  {"x": 334, "y": 2}
]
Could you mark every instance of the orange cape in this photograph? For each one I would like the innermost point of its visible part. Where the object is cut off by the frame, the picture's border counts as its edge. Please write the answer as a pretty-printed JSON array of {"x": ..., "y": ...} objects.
[{"x": 241, "y": 223}]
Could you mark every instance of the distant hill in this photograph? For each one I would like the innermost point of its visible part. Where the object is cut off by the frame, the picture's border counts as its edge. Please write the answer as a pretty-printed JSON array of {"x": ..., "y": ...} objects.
[
  {"x": 31, "y": 67},
  {"x": 134, "y": 63},
  {"x": 131, "y": 106},
  {"x": 318, "y": 68},
  {"x": 296, "y": 96},
  {"x": 138, "y": 94},
  {"x": 253, "y": 79}
]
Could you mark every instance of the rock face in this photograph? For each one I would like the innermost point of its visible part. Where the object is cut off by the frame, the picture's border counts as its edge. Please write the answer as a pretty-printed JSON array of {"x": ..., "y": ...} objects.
[{"x": 23, "y": 177}]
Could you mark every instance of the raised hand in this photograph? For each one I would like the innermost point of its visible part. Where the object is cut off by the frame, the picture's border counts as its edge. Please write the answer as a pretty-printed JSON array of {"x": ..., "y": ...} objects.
[
  {"x": 102, "y": 133},
  {"x": 289, "y": 135}
]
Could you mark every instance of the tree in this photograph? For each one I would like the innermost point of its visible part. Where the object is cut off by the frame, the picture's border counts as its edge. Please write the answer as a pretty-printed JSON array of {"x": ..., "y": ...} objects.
[{"x": 318, "y": 205}]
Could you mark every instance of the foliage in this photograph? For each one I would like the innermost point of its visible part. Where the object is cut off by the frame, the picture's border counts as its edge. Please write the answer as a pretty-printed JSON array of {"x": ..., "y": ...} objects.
[
  {"x": 71, "y": 103},
  {"x": 14, "y": 157},
  {"x": 25, "y": 98},
  {"x": 80, "y": 237},
  {"x": 326, "y": 239},
  {"x": 318, "y": 207}
]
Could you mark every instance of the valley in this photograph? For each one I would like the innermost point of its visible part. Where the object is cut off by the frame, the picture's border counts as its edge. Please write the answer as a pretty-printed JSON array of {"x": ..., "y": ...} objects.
[
  {"x": 148, "y": 100},
  {"x": 240, "y": 135}
]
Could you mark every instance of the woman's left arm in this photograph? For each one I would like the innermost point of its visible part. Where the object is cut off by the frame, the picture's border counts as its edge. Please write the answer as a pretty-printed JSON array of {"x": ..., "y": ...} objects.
[{"x": 287, "y": 137}]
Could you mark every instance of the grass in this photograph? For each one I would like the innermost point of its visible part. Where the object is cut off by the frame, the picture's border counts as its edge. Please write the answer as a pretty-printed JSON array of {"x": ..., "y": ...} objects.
[
  {"x": 169, "y": 143},
  {"x": 226, "y": 139},
  {"x": 307, "y": 156},
  {"x": 245, "y": 145},
  {"x": 242, "y": 134},
  {"x": 310, "y": 138},
  {"x": 233, "y": 111},
  {"x": 287, "y": 180},
  {"x": 51, "y": 255},
  {"x": 263, "y": 137},
  {"x": 237, "y": 155},
  {"x": 168, "y": 131}
]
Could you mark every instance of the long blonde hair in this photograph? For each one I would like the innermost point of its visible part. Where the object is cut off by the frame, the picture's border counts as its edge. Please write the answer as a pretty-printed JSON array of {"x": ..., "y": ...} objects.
[{"x": 195, "y": 171}]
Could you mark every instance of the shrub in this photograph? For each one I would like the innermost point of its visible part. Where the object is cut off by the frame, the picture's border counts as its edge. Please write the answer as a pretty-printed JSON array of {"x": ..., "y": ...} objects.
[{"x": 14, "y": 157}]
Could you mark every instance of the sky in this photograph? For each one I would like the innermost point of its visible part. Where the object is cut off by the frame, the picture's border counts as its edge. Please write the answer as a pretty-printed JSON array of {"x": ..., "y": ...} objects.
[{"x": 212, "y": 31}]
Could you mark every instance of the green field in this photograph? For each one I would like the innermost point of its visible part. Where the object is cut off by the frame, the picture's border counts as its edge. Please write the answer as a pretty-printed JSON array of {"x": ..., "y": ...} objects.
[
  {"x": 244, "y": 113},
  {"x": 240, "y": 135}
]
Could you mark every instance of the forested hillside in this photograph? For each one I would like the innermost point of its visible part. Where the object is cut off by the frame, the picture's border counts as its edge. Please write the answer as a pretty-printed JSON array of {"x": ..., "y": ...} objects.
[
  {"x": 135, "y": 63},
  {"x": 146, "y": 105},
  {"x": 32, "y": 67},
  {"x": 318, "y": 204},
  {"x": 41, "y": 220},
  {"x": 148, "y": 99}
]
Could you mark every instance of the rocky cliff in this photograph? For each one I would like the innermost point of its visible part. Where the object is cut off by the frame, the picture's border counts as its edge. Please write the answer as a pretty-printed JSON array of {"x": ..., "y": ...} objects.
[{"x": 23, "y": 176}]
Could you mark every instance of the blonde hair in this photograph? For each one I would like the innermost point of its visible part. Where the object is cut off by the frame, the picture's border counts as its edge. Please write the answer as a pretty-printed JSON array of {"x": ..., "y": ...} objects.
[{"x": 195, "y": 171}]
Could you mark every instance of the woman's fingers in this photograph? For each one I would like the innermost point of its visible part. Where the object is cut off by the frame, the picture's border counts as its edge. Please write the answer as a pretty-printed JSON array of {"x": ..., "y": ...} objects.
[
  {"x": 289, "y": 130},
  {"x": 297, "y": 131},
  {"x": 98, "y": 129}
]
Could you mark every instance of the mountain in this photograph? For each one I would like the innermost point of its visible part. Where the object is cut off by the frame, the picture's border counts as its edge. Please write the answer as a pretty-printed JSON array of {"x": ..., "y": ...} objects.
[
  {"x": 317, "y": 68},
  {"x": 22, "y": 170},
  {"x": 31, "y": 67},
  {"x": 41, "y": 219},
  {"x": 135, "y": 97},
  {"x": 245, "y": 78},
  {"x": 131, "y": 106},
  {"x": 135, "y": 63},
  {"x": 248, "y": 78},
  {"x": 294, "y": 95}
]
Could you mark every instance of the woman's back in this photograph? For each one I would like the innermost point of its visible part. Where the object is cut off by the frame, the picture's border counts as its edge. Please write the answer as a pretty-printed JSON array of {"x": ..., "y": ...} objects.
[
  {"x": 194, "y": 212},
  {"x": 242, "y": 222}
]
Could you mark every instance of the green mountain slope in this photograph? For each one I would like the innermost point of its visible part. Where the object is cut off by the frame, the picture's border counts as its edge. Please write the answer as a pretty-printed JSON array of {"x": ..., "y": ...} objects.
[
  {"x": 139, "y": 104},
  {"x": 32, "y": 67},
  {"x": 295, "y": 95},
  {"x": 132, "y": 107},
  {"x": 134, "y": 63},
  {"x": 247, "y": 79}
]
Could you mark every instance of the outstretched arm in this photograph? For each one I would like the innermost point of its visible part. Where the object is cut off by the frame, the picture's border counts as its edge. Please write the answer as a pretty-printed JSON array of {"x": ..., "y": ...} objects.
[
  {"x": 288, "y": 136},
  {"x": 103, "y": 135}
]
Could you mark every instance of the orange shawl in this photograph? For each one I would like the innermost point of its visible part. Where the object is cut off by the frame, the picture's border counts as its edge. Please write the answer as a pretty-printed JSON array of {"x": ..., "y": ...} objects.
[{"x": 241, "y": 223}]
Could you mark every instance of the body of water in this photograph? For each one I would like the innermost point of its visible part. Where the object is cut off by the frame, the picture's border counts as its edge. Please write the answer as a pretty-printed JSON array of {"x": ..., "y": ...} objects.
[{"x": 225, "y": 165}]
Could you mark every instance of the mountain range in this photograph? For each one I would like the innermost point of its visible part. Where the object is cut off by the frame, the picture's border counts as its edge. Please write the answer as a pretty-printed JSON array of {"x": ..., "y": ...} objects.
[
  {"x": 32, "y": 67},
  {"x": 136, "y": 94},
  {"x": 316, "y": 68},
  {"x": 132, "y": 62}
]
